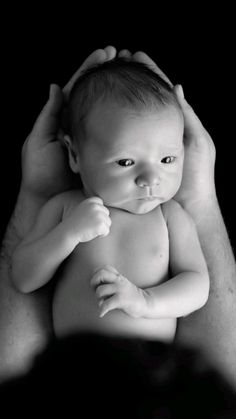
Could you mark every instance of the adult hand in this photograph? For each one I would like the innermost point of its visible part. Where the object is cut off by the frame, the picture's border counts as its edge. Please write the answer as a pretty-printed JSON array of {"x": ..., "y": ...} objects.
[
  {"x": 198, "y": 182},
  {"x": 25, "y": 319},
  {"x": 198, "y": 186},
  {"x": 45, "y": 171}
]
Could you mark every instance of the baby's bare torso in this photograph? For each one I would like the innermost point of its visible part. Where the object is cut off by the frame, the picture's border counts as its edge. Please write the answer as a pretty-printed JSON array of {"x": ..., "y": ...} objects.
[{"x": 138, "y": 247}]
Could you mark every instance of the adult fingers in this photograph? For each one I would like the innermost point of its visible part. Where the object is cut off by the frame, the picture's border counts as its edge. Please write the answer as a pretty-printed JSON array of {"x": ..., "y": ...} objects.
[
  {"x": 124, "y": 53},
  {"x": 142, "y": 57},
  {"x": 96, "y": 57},
  {"x": 46, "y": 125},
  {"x": 192, "y": 124},
  {"x": 110, "y": 52}
]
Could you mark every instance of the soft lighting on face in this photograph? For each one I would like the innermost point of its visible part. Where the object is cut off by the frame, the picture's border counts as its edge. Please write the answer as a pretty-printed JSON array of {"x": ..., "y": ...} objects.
[{"x": 133, "y": 162}]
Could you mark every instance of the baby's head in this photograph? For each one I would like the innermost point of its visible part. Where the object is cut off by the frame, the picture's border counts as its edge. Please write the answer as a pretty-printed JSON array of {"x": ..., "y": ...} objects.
[{"x": 125, "y": 136}]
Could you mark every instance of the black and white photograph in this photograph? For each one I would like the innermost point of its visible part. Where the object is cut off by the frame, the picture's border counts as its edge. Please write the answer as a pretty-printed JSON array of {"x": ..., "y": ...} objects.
[{"x": 117, "y": 269}]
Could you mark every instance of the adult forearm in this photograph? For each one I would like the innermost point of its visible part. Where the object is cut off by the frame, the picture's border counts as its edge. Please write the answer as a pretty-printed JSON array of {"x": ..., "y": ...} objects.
[
  {"x": 25, "y": 320},
  {"x": 213, "y": 327},
  {"x": 23, "y": 217}
]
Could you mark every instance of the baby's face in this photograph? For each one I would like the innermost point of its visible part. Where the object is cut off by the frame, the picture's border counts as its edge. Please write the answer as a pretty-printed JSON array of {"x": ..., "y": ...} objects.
[{"x": 133, "y": 161}]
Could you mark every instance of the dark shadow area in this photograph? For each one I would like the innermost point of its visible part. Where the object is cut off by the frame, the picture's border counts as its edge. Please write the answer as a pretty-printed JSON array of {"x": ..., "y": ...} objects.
[{"x": 89, "y": 375}]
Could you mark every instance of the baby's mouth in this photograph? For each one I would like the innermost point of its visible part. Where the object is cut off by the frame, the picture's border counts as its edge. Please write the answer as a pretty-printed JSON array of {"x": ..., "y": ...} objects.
[{"x": 148, "y": 198}]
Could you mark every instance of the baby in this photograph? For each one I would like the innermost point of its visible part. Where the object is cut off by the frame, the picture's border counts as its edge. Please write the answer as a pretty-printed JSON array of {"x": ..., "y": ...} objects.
[{"x": 124, "y": 254}]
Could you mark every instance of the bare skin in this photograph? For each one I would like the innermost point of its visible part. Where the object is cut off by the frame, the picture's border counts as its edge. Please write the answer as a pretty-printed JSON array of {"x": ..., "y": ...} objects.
[
  {"x": 25, "y": 320},
  {"x": 132, "y": 225},
  {"x": 212, "y": 328}
]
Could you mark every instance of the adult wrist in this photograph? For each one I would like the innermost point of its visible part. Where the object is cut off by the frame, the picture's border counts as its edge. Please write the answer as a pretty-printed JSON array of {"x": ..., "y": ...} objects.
[
  {"x": 26, "y": 209},
  {"x": 23, "y": 216},
  {"x": 27, "y": 197}
]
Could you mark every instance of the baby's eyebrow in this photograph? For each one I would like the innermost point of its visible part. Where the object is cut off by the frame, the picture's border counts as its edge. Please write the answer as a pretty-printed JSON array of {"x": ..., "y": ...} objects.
[
  {"x": 173, "y": 148},
  {"x": 118, "y": 151}
]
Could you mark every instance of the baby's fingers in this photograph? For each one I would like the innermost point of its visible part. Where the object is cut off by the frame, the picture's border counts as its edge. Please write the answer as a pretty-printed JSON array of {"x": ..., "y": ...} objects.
[
  {"x": 109, "y": 304},
  {"x": 104, "y": 291},
  {"x": 102, "y": 276},
  {"x": 107, "y": 267}
]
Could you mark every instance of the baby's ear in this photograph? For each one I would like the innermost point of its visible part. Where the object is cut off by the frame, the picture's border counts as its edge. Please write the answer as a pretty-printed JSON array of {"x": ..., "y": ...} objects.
[{"x": 72, "y": 154}]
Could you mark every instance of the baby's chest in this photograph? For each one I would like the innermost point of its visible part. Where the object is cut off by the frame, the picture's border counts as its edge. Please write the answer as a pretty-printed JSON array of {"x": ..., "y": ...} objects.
[{"x": 137, "y": 247}]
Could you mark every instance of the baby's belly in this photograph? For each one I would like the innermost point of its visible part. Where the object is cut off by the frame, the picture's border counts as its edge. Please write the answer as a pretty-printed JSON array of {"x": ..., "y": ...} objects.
[
  {"x": 75, "y": 305},
  {"x": 75, "y": 309}
]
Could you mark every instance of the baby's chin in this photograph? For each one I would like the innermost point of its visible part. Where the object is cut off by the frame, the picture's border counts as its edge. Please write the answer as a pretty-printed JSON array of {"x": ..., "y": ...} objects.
[{"x": 137, "y": 206}]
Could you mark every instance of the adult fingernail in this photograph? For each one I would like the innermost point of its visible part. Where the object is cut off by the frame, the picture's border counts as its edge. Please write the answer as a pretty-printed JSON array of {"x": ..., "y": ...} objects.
[
  {"x": 181, "y": 92},
  {"x": 51, "y": 90},
  {"x": 110, "y": 51}
]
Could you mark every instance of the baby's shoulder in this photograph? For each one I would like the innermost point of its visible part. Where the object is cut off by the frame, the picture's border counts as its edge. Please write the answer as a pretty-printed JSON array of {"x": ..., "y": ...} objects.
[
  {"x": 63, "y": 199},
  {"x": 70, "y": 199},
  {"x": 72, "y": 196}
]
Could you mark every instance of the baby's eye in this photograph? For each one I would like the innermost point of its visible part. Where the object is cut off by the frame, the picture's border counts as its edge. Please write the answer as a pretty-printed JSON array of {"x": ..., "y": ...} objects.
[
  {"x": 168, "y": 159},
  {"x": 126, "y": 162}
]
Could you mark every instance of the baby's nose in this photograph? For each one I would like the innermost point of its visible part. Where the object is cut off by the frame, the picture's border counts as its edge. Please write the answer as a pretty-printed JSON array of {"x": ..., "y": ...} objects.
[{"x": 148, "y": 179}]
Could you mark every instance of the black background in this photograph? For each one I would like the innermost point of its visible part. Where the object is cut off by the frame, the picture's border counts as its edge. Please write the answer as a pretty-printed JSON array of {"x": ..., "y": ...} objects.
[{"x": 193, "y": 48}]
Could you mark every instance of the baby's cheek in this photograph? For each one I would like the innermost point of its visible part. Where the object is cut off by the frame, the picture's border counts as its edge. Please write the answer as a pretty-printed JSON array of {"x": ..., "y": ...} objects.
[
  {"x": 174, "y": 185},
  {"x": 178, "y": 183},
  {"x": 112, "y": 190}
]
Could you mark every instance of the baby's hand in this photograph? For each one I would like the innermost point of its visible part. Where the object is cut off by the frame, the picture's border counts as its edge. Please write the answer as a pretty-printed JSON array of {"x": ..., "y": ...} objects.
[
  {"x": 89, "y": 220},
  {"x": 114, "y": 291}
]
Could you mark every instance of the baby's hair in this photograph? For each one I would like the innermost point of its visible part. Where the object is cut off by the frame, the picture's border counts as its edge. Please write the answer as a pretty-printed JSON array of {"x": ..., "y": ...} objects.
[{"x": 128, "y": 83}]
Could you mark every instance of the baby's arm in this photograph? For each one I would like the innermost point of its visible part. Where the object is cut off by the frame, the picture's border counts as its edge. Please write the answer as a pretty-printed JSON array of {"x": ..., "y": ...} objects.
[
  {"x": 58, "y": 230},
  {"x": 185, "y": 292},
  {"x": 188, "y": 288},
  {"x": 39, "y": 254}
]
